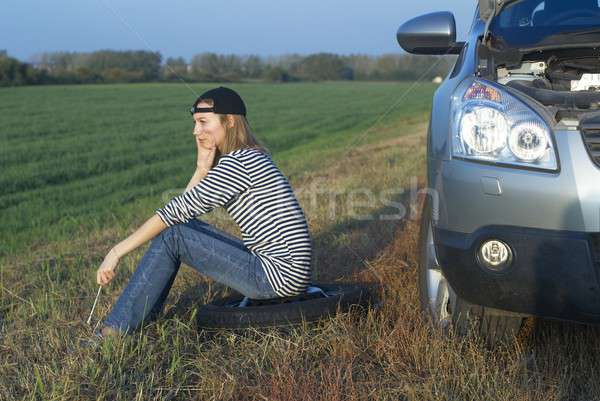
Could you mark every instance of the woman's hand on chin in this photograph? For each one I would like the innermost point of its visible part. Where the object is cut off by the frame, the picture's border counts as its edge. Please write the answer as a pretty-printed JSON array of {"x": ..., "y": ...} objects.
[
  {"x": 207, "y": 148},
  {"x": 107, "y": 270}
]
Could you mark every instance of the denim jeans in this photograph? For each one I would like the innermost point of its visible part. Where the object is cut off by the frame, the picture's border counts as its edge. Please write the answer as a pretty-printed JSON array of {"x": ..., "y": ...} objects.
[{"x": 210, "y": 251}]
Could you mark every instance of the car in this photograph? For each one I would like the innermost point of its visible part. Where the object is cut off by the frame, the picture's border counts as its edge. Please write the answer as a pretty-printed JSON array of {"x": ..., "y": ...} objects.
[{"x": 510, "y": 223}]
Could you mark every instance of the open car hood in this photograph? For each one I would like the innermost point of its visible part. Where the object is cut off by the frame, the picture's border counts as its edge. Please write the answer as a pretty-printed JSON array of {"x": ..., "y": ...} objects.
[
  {"x": 488, "y": 9},
  {"x": 539, "y": 38}
]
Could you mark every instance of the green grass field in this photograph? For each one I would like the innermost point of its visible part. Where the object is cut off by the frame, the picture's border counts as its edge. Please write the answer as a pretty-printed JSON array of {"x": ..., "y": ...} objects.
[
  {"x": 87, "y": 156},
  {"x": 83, "y": 166}
]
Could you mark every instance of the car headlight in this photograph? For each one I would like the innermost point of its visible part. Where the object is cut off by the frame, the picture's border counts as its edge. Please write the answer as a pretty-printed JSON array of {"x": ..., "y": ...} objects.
[{"x": 491, "y": 125}]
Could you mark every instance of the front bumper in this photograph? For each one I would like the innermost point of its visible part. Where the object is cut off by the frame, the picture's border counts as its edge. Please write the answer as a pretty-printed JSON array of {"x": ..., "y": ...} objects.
[
  {"x": 554, "y": 274},
  {"x": 550, "y": 220}
]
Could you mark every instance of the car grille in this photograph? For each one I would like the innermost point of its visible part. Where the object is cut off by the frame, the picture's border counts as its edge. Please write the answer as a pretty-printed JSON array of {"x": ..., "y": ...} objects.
[{"x": 591, "y": 136}]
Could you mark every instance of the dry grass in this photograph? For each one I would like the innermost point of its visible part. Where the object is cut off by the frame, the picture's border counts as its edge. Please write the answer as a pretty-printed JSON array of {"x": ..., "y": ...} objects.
[{"x": 388, "y": 354}]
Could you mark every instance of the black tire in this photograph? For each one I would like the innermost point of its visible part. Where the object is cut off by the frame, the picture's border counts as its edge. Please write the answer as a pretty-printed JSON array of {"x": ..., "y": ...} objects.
[
  {"x": 225, "y": 314},
  {"x": 451, "y": 312}
]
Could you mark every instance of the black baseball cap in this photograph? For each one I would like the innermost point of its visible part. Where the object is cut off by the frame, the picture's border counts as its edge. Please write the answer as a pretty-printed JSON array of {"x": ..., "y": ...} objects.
[{"x": 226, "y": 101}]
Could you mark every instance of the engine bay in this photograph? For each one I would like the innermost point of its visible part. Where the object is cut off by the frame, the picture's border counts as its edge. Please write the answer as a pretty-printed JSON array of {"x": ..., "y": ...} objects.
[{"x": 569, "y": 86}]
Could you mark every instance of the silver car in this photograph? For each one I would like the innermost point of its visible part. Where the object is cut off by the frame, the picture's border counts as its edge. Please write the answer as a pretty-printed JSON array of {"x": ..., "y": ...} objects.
[{"x": 511, "y": 222}]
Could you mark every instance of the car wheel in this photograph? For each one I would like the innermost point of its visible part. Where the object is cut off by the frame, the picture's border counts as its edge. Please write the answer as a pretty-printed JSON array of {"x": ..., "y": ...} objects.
[
  {"x": 320, "y": 301},
  {"x": 444, "y": 308}
]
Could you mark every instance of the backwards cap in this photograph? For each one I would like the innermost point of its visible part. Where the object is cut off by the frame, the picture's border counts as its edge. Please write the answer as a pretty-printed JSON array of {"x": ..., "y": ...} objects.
[{"x": 225, "y": 101}]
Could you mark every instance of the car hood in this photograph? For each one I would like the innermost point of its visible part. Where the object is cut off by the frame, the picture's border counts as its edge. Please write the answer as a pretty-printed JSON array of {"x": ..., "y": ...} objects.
[{"x": 541, "y": 38}]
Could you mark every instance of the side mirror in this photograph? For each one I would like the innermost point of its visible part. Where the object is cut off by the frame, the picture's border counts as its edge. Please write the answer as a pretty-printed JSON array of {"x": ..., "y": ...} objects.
[{"x": 433, "y": 33}]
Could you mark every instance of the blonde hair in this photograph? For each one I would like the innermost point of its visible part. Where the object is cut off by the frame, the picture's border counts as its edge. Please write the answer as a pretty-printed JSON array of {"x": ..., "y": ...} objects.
[{"x": 237, "y": 136}]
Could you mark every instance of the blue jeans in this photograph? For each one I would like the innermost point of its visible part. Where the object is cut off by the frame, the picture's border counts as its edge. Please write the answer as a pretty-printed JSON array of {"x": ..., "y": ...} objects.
[{"x": 213, "y": 252}]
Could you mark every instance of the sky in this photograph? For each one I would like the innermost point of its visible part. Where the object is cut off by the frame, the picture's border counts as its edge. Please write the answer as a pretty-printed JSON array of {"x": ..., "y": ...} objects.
[{"x": 188, "y": 27}]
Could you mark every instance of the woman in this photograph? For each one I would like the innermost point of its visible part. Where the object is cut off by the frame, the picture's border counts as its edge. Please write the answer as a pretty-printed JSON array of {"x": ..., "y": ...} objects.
[{"x": 235, "y": 172}]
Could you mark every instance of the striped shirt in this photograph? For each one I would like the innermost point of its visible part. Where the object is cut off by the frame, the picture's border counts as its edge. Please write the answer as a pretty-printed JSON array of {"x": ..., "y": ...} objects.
[{"x": 259, "y": 198}]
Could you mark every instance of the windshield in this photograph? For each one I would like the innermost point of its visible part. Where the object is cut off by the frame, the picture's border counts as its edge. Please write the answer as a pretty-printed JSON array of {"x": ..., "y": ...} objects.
[{"x": 527, "y": 23}]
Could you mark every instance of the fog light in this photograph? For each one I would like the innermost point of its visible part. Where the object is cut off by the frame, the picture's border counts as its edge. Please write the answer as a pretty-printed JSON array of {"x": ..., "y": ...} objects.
[{"x": 495, "y": 255}]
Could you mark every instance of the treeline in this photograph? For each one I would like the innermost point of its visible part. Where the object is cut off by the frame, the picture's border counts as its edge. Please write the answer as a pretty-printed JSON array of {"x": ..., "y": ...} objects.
[
  {"x": 13, "y": 72},
  {"x": 108, "y": 66}
]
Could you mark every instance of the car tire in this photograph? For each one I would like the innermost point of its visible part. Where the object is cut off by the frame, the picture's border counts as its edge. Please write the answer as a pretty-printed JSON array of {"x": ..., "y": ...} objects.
[
  {"x": 447, "y": 311},
  {"x": 227, "y": 313}
]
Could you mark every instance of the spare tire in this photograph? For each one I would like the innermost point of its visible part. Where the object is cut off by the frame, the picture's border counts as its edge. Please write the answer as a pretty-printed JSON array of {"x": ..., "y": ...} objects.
[{"x": 320, "y": 301}]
